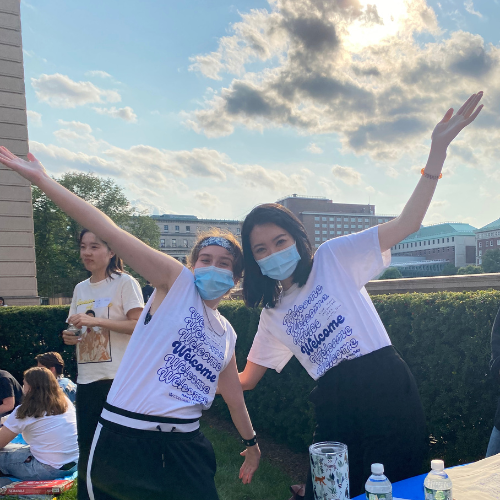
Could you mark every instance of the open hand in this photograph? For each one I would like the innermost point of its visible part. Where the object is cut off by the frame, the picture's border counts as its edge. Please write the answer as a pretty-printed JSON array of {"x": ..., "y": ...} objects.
[
  {"x": 451, "y": 125},
  {"x": 251, "y": 463},
  {"x": 32, "y": 169}
]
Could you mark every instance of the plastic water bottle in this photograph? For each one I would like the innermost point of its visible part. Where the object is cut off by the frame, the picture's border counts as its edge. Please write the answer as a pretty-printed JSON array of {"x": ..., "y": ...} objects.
[
  {"x": 378, "y": 486},
  {"x": 437, "y": 484}
]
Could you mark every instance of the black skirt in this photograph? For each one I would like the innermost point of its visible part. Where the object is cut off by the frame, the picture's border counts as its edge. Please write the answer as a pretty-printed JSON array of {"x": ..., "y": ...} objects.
[{"x": 371, "y": 404}]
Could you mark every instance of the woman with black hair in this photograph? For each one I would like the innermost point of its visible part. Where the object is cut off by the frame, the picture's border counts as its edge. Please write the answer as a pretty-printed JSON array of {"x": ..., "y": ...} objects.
[
  {"x": 104, "y": 311},
  {"x": 318, "y": 310}
]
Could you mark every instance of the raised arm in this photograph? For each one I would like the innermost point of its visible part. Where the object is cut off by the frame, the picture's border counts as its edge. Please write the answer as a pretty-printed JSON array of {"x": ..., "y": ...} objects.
[
  {"x": 413, "y": 214},
  {"x": 158, "y": 268},
  {"x": 230, "y": 389}
]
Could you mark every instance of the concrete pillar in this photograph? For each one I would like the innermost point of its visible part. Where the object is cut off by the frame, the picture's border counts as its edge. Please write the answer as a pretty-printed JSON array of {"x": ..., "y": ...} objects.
[{"x": 17, "y": 244}]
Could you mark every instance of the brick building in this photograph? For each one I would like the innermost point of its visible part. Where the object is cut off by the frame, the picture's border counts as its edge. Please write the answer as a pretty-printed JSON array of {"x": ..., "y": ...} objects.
[
  {"x": 487, "y": 238},
  {"x": 179, "y": 232},
  {"x": 449, "y": 242},
  {"x": 325, "y": 220}
]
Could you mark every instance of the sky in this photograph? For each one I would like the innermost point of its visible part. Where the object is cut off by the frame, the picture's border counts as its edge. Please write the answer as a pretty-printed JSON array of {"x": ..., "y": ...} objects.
[{"x": 210, "y": 107}]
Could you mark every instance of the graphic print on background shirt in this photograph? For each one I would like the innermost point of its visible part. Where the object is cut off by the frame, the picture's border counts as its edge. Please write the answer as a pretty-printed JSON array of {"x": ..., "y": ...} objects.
[
  {"x": 95, "y": 343},
  {"x": 319, "y": 326},
  {"x": 193, "y": 365}
]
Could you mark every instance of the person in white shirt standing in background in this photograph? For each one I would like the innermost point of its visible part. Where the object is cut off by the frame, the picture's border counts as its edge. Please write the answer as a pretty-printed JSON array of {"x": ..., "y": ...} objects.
[{"x": 105, "y": 308}]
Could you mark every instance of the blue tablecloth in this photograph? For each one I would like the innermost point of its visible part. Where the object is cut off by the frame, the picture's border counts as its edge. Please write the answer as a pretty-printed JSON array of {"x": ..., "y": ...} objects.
[{"x": 411, "y": 489}]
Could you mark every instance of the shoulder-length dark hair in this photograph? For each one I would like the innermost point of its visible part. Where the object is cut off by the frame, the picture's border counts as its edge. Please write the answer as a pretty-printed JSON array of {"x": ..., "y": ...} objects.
[
  {"x": 44, "y": 398},
  {"x": 115, "y": 265},
  {"x": 257, "y": 288}
]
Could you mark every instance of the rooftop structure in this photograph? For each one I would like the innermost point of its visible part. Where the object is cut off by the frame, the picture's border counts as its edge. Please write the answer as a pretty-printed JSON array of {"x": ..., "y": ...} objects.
[
  {"x": 452, "y": 242},
  {"x": 487, "y": 238}
]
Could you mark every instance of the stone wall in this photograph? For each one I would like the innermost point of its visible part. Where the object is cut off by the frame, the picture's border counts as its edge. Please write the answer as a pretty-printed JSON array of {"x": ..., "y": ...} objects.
[{"x": 17, "y": 246}]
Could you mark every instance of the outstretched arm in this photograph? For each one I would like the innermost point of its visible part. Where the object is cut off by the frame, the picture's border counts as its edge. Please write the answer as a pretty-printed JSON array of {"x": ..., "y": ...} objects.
[
  {"x": 230, "y": 389},
  {"x": 413, "y": 214},
  {"x": 158, "y": 268},
  {"x": 251, "y": 375}
]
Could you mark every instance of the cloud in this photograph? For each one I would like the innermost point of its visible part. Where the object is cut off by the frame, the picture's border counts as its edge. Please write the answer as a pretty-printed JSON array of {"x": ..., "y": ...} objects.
[
  {"x": 100, "y": 74},
  {"x": 206, "y": 199},
  {"x": 59, "y": 91},
  {"x": 343, "y": 68},
  {"x": 126, "y": 114},
  {"x": 34, "y": 118},
  {"x": 314, "y": 149},
  {"x": 347, "y": 175},
  {"x": 469, "y": 7}
]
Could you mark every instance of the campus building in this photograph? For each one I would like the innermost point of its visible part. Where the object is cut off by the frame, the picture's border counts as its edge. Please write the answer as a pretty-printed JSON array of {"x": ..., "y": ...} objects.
[
  {"x": 324, "y": 220},
  {"x": 487, "y": 238},
  {"x": 178, "y": 233},
  {"x": 17, "y": 245},
  {"x": 427, "y": 251}
]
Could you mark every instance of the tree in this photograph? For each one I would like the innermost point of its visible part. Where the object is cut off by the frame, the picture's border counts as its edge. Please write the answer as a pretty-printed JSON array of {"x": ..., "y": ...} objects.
[
  {"x": 59, "y": 267},
  {"x": 449, "y": 270},
  {"x": 470, "y": 269},
  {"x": 391, "y": 274},
  {"x": 491, "y": 261}
]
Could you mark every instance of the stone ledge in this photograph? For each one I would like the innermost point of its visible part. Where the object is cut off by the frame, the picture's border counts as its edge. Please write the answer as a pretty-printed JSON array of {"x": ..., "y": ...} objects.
[{"x": 462, "y": 283}]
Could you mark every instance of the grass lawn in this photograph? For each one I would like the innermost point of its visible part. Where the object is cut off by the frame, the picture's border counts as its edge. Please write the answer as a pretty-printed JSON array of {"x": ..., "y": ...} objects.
[{"x": 268, "y": 483}]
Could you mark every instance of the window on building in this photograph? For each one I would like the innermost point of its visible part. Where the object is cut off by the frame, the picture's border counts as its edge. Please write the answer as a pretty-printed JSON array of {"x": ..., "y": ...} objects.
[
  {"x": 332, "y": 232},
  {"x": 380, "y": 221},
  {"x": 453, "y": 238},
  {"x": 185, "y": 243},
  {"x": 419, "y": 243},
  {"x": 324, "y": 232},
  {"x": 411, "y": 245},
  {"x": 480, "y": 253},
  {"x": 165, "y": 227},
  {"x": 346, "y": 226},
  {"x": 238, "y": 230},
  {"x": 339, "y": 226},
  {"x": 360, "y": 220},
  {"x": 316, "y": 218},
  {"x": 353, "y": 226},
  {"x": 346, "y": 232},
  {"x": 323, "y": 218},
  {"x": 498, "y": 242},
  {"x": 424, "y": 243},
  {"x": 339, "y": 232},
  {"x": 324, "y": 225},
  {"x": 360, "y": 226},
  {"x": 317, "y": 238},
  {"x": 332, "y": 226},
  {"x": 317, "y": 225},
  {"x": 367, "y": 220},
  {"x": 447, "y": 240},
  {"x": 174, "y": 242},
  {"x": 316, "y": 232},
  {"x": 325, "y": 239},
  {"x": 316, "y": 245},
  {"x": 332, "y": 219},
  {"x": 480, "y": 244},
  {"x": 353, "y": 219},
  {"x": 188, "y": 229},
  {"x": 176, "y": 229},
  {"x": 346, "y": 219},
  {"x": 162, "y": 243}
]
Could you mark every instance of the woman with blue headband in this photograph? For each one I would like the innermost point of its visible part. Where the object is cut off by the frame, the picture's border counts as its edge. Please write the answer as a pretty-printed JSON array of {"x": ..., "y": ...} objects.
[
  {"x": 148, "y": 443},
  {"x": 319, "y": 311}
]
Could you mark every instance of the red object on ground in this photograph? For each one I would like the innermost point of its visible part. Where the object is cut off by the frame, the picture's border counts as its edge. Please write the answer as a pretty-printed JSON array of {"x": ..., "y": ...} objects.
[{"x": 56, "y": 487}]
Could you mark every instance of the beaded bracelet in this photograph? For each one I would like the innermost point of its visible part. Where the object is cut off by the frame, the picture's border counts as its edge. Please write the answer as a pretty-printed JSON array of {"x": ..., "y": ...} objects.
[
  {"x": 429, "y": 176},
  {"x": 250, "y": 442}
]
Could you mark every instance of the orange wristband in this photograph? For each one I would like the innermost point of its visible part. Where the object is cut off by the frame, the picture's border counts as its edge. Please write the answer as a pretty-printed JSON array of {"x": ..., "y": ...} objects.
[{"x": 429, "y": 176}]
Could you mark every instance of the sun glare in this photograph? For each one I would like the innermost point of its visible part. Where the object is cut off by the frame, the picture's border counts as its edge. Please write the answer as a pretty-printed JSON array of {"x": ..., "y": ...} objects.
[{"x": 390, "y": 11}]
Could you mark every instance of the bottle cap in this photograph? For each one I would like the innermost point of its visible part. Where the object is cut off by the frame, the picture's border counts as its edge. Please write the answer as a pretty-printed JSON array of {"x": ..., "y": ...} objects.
[
  {"x": 377, "y": 469},
  {"x": 437, "y": 465}
]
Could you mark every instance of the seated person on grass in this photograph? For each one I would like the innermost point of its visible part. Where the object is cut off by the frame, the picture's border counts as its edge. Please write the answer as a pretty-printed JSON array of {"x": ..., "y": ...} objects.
[
  {"x": 54, "y": 362},
  {"x": 47, "y": 421},
  {"x": 11, "y": 393}
]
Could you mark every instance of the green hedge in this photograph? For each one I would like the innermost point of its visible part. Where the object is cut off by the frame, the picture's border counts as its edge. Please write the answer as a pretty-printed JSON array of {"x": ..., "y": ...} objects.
[{"x": 444, "y": 338}]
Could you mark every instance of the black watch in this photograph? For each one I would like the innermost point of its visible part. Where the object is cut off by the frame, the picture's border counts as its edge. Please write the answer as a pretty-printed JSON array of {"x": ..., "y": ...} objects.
[{"x": 250, "y": 442}]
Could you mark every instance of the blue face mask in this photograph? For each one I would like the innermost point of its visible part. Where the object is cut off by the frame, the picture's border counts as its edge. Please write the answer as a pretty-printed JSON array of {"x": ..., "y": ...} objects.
[
  {"x": 213, "y": 282},
  {"x": 280, "y": 265}
]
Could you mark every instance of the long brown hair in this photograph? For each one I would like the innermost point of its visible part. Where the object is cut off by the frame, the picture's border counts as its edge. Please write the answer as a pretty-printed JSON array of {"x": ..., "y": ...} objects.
[
  {"x": 115, "y": 265},
  {"x": 44, "y": 398}
]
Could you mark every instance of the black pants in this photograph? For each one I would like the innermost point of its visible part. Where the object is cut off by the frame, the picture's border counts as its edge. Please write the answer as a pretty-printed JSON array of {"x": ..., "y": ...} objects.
[
  {"x": 90, "y": 399},
  {"x": 372, "y": 405},
  {"x": 131, "y": 464}
]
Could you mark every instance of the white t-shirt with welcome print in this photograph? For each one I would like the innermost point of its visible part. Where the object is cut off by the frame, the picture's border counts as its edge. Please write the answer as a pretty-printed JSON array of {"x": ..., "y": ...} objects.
[
  {"x": 172, "y": 365},
  {"x": 100, "y": 350},
  {"x": 331, "y": 318}
]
